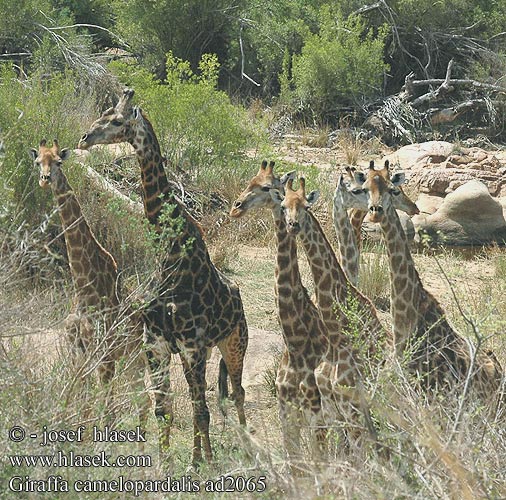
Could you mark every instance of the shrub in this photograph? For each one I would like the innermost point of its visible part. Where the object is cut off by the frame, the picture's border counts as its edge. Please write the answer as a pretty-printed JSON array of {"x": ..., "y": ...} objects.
[
  {"x": 198, "y": 127},
  {"x": 36, "y": 108},
  {"x": 189, "y": 29},
  {"x": 338, "y": 67}
]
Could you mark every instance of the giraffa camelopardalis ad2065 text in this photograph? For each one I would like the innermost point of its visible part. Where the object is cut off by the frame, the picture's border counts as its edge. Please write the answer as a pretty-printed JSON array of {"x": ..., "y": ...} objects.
[
  {"x": 194, "y": 307},
  {"x": 438, "y": 354},
  {"x": 302, "y": 328},
  {"x": 348, "y": 224},
  {"x": 94, "y": 271}
]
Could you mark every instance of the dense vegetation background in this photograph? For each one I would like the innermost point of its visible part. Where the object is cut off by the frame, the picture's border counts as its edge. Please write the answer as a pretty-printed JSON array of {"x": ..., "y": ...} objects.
[{"x": 198, "y": 65}]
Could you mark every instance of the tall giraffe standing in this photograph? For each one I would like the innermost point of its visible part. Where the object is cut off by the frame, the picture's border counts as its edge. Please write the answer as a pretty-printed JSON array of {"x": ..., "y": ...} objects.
[
  {"x": 302, "y": 328},
  {"x": 348, "y": 225},
  {"x": 194, "y": 307},
  {"x": 436, "y": 351},
  {"x": 343, "y": 308},
  {"x": 94, "y": 270}
]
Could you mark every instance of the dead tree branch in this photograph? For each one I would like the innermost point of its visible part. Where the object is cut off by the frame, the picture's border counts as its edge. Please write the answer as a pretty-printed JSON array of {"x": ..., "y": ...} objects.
[{"x": 437, "y": 94}]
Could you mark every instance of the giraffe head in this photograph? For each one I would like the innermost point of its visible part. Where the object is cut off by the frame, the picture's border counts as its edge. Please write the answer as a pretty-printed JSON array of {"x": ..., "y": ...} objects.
[
  {"x": 380, "y": 191},
  {"x": 116, "y": 124},
  {"x": 349, "y": 192},
  {"x": 295, "y": 205},
  {"x": 257, "y": 194},
  {"x": 49, "y": 161},
  {"x": 401, "y": 200}
]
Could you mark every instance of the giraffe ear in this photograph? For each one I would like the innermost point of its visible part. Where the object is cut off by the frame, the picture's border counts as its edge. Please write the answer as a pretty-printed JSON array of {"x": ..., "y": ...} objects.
[
  {"x": 360, "y": 177},
  {"x": 65, "y": 154},
  {"x": 137, "y": 114},
  {"x": 286, "y": 177},
  {"x": 312, "y": 197},
  {"x": 276, "y": 196},
  {"x": 33, "y": 153},
  {"x": 398, "y": 178}
]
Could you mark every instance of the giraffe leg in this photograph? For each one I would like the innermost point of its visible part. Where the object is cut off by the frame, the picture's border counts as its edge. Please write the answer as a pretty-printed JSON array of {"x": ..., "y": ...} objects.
[
  {"x": 195, "y": 373},
  {"x": 351, "y": 404},
  {"x": 233, "y": 350},
  {"x": 312, "y": 408},
  {"x": 73, "y": 332},
  {"x": 287, "y": 387},
  {"x": 158, "y": 377},
  {"x": 197, "y": 441}
]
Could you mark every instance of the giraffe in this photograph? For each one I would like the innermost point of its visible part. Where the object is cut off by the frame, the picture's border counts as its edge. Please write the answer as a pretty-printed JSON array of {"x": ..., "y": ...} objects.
[
  {"x": 335, "y": 295},
  {"x": 302, "y": 328},
  {"x": 94, "y": 271},
  {"x": 435, "y": 351},
  {"x": 194, "y": 306},
  {"x": 348, "y": 225}
]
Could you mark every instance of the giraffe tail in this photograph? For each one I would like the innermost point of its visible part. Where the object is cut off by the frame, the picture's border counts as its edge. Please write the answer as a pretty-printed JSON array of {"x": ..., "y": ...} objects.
[{"x": 223, "y": 380}]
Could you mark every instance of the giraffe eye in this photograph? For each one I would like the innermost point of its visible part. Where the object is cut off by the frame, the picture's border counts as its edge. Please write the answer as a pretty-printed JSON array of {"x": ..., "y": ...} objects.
[
  {"x": 357, "y": 191},
  {"x": 265, "y": 188},
  {"x": 396, "y": 192},
  {"x": 116, "y": 123}
]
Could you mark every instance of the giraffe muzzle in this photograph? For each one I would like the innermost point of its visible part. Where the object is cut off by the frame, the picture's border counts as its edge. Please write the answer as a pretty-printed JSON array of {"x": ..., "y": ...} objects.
[
  {"x": 44, "y": 180},
  {"x": 236, "y": 210},
  {"x": 293, "y": 227},
  {"x": 375, "y": 213},
  {"x": 83, "y": 142}
]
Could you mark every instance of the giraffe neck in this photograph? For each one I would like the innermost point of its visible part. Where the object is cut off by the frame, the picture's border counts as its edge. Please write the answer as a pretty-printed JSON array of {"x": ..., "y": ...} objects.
[
  {"x": 330, "y": 281},
  {"x": 155, "y": 185},
  {"x": 185, "y": 240},
  {"x": 346, "y": 237},
  {"x": 357, "y": 217},
  {"x": 291, "y": 295},
  {"x": 83, "y": 250},
  {"x": 288, "y": 280},
  {"x": 406, "y": 289}
]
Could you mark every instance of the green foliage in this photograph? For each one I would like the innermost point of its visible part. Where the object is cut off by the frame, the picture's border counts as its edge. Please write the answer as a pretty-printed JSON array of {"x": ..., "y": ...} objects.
[
  {"x": 18, "y": 21},
  {"x": 426, "y": 32},
  {"x": 340, "y": 66},
  {"x": 189, "y": 29},
  {"x": 32, "y": 110},
  {"x": 95, "y": 12},
  {"x": 40, "y": 35},
  {"x": 275, "y": 32},
  {"x": 197, "y": 125}
]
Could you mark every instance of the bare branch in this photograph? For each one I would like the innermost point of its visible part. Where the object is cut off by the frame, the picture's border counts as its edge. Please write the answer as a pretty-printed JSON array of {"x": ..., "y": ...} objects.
[{"x": 437, "y": 94}]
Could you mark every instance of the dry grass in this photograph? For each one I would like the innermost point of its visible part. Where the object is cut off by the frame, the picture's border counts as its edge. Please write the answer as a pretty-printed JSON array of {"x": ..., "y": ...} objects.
[
  {"x": 423, "y": 455},
  {"x": 314, "y": 137}
]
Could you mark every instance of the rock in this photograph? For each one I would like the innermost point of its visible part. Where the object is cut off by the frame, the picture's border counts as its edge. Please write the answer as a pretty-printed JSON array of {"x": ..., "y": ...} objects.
[
  {"x": 467, "y": 216},
  {"x": 457, "y": 169},
  {"x": 416, "y": 156},
  {"x": 428, "y": 204},
  {"x": 373, "y": 231}
]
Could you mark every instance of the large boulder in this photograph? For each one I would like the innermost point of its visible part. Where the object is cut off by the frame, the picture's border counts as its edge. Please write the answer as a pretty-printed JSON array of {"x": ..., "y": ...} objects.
[
  {"x": 428, "y": 204},
  {"x": 467, "y": 216},
  {"x": 437, "y": 168},
  {"x": 372, "y": 230},
  {"x": 415, "y": 156}
]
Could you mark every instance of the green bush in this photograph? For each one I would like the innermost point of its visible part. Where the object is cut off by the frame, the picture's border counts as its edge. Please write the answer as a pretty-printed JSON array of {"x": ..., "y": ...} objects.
[
  {"x": 189, "y": 29},
  {"x": 36, "y": 108},
  {"x": 198, "y": 127},
  {"x": 338, "y": 67}
]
